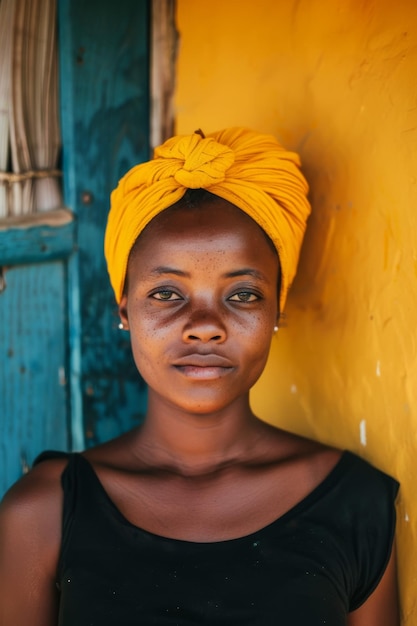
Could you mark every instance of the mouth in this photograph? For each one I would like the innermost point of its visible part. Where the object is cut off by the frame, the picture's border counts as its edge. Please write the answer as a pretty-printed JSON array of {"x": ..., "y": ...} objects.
[{"x": 203, "y": 367}]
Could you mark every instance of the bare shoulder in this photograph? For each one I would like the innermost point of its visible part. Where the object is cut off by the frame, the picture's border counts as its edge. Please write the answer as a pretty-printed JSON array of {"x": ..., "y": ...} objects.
[
  {"x": 300, "y": 461},
  {"x": 37, "y": 493},
  {"x": 31, "y": 511},
  {"x": 292, "y": 447},
  {"x": 30, "y": 538}
]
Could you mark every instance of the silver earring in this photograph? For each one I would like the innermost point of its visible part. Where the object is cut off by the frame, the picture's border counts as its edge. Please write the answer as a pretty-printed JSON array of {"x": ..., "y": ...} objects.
[
  {"x": 121, "y": 326},
  {"x": 275, "y": 329}
]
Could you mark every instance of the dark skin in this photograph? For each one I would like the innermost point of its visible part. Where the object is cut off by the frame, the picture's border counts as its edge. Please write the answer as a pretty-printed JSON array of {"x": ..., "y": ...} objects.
[{"x": 201, "y": 305}]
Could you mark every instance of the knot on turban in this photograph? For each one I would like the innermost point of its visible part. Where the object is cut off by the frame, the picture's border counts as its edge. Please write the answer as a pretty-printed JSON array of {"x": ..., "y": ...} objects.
[
  {"x": 197, "y": 163},
  {"x": 250, "y": 170}
]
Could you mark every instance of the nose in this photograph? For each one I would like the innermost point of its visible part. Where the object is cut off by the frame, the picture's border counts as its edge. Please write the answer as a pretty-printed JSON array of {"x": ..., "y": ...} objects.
[{"x": 205, "y": 327}]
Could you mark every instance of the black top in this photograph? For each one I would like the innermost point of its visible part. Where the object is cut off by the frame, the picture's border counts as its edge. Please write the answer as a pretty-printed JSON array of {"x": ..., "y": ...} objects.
[{"x": 313, "y": 565}]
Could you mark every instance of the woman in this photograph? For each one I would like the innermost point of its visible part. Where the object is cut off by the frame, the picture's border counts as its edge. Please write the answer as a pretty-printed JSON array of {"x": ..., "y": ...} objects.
[{"x": 204, "y": 514}]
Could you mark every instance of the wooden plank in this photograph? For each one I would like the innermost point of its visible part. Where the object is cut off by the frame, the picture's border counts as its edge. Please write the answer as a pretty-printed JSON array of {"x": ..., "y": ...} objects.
[
  {"x": 165, "y": 38},
  {"x": 57, "y": 217},
  {"x": 105, "y": 124},
  {"x": 33, "y": 398},
  {"x": 39, "y": 239}
]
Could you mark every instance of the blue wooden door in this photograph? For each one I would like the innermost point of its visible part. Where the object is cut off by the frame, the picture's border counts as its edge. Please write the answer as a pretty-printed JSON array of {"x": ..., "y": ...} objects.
[
  {"x": 33, "y": 353},
  {"x": 67, "y": 378}
]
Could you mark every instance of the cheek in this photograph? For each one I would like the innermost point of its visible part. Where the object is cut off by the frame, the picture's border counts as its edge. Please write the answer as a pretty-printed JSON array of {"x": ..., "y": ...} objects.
[
  {"x": 143, "y": 338},
  {"x": 261, "y": 324},
  {"x": 142, "y": 324},
  {"x": 258, "y": 341},
  {"x": 255, "y": 363},
  {"x": 150, "y": 338},
  {"x": 147, "y": 358}
]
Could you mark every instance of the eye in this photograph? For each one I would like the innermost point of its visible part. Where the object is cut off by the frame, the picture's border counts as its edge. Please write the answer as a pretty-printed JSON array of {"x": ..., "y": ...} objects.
[
  {"x": 166, "y": 294},
  {"x": 244, "y": 296}
]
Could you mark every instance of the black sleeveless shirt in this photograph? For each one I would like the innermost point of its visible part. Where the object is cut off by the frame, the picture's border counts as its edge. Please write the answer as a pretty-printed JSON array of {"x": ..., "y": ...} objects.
[{"x": 313, "y": 565}]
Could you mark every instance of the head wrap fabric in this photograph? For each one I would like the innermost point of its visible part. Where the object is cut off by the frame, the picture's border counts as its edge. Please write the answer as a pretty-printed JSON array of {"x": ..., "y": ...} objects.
[{"x": 250, "y": 170}]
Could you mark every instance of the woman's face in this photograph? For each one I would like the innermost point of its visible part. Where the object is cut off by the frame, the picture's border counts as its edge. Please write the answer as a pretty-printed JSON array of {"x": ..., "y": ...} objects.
[{"x": 201, "y": 305}]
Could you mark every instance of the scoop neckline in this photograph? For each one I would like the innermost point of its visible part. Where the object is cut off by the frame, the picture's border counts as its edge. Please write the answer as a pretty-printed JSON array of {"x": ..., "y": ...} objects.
[{"x": 321, "y": 489}]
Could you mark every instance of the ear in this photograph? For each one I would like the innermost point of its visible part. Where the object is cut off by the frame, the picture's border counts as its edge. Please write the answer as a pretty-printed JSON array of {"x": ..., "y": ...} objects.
[{"x": 123, "y": 312}]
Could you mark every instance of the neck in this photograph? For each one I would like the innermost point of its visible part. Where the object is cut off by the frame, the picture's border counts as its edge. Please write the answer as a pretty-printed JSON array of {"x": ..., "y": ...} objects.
[{"x": 193, "y": 444}]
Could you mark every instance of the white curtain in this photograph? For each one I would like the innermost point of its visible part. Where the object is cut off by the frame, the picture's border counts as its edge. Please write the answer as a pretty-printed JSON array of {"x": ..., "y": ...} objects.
[
  {"x": 6, "y": 20},
  {"x": 29, "y": 68}
]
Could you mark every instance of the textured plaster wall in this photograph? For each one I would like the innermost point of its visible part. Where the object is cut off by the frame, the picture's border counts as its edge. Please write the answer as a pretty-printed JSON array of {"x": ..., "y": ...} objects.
[{"x": 335, "y": 80}]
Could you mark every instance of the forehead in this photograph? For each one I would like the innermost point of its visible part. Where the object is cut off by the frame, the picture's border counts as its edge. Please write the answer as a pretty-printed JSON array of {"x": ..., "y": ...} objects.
[{"x": 213, "y": 222}]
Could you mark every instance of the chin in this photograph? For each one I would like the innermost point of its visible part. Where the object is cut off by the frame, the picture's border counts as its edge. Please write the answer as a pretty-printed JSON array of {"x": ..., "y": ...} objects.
[{"x": 208, "y": 407}]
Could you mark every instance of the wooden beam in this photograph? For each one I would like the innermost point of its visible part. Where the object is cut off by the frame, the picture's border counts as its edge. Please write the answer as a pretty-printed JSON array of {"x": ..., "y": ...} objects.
[{"x": 36, "y": 238}]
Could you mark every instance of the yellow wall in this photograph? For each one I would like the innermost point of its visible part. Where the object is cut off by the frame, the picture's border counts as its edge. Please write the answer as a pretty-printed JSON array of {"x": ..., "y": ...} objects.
[{"x": 337, "y": 81}]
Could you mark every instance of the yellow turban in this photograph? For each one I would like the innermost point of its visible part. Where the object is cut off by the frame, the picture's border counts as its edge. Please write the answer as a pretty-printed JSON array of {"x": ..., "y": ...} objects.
[{"x": 250, "y": 170}]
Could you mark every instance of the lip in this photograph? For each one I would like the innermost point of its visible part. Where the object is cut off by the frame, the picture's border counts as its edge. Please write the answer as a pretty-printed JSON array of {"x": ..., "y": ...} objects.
[
  {"x": 203, "y": 366},
  {"x": 199, "y": 359}
]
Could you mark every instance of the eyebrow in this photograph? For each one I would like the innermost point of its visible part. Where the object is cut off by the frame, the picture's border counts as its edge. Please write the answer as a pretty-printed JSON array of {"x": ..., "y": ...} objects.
[
  {"x": 162, "y": 269},
  {"x": 245, "y": 271}
]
